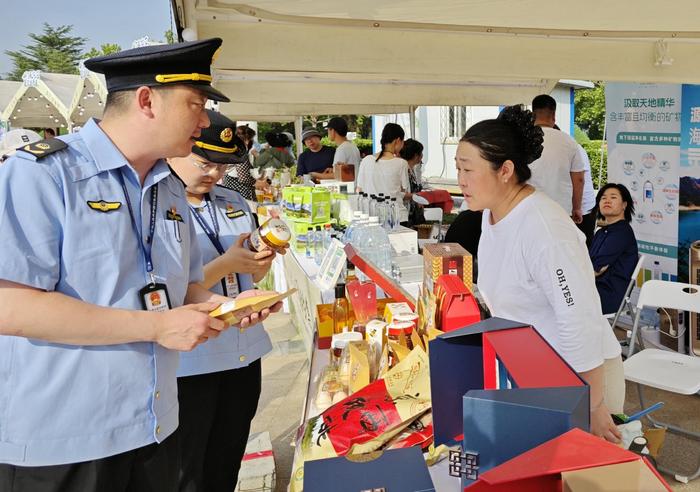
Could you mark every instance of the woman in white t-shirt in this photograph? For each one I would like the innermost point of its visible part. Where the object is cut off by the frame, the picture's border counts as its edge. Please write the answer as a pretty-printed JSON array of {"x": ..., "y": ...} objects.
[
  {"x": 384, "y": 172},
  {"x": 533, "y": 261}
]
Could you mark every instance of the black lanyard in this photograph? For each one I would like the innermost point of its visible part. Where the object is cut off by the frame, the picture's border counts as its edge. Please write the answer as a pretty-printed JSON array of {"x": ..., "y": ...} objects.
[
  {"x": 212, "y": 235},
  {"x": 145, "y": 248}
]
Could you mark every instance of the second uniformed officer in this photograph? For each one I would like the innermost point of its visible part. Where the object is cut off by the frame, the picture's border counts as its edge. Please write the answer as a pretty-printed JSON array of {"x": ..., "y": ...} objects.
[
  {"x": 99, "y": 272},
  {"x": 219, "y": 382}
]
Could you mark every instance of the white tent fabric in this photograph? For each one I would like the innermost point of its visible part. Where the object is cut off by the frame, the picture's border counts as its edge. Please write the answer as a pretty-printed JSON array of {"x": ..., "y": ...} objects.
[
  {"x": 8, "y": 89},
  {"x": 89, "y": 96},
  {"x": 444, "y": 52},
  {"x": 41, "y": 100}
]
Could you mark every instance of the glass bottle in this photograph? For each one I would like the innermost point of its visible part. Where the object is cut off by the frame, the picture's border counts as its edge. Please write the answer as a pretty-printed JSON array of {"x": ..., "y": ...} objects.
[{"x": 340, "y": 310}]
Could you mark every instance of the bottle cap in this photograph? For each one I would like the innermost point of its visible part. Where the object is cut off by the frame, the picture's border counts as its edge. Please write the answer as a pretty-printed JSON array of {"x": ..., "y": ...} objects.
[
  {"x": 318, "y": 228},
  {"x": 339, "y": 290}
]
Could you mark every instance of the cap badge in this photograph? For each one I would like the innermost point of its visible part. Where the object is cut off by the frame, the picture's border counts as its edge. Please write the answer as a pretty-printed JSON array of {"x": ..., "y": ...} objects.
[{"x": 226, "y": 135}]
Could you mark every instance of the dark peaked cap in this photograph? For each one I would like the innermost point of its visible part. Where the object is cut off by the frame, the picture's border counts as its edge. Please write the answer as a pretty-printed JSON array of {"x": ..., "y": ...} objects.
[{"x": 161, "y": 65}]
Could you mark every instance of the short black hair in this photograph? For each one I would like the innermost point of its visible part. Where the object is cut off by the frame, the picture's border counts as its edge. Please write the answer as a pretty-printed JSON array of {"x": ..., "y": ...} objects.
[
  {"x": 544, "y": 101},
  {"x": 626, "y": 197},
  {"x": 339, "y": 125},
  {"x": 410, "y": 149}
]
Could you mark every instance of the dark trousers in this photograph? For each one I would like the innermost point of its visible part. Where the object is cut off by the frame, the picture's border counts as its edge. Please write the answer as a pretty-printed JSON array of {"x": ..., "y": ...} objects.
[
  {"x": 215, "y": 414},
  {"x": 587, "y": 226},
  {"x": 153, "y": 468}
]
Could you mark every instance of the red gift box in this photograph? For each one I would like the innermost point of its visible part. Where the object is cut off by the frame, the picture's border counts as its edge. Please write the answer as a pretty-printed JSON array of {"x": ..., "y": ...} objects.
[{"x": 456, "y": 306}]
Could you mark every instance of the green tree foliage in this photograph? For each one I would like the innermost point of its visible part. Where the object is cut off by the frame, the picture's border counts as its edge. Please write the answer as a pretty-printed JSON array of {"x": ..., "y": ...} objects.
[
  {"x": 169, "y": 36},
  {"x": 590, "y": 110},
  {"x": 105, "y": 49},
  {"x": 54, "y": 50},
  {"x": 592, "y": 148}
]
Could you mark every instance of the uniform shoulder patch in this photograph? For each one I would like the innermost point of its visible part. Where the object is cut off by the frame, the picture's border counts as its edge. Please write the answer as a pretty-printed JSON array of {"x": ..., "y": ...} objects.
[{"x": 44, "y": 147}]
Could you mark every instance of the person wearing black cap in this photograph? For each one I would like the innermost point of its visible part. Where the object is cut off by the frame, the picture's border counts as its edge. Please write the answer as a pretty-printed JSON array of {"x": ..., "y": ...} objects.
[
  {"x": 347, "y": 152},
  {"x": 317, "y": 158},
  {"x": 219, "y": 382},
  {"x": 99, "y": 284}
]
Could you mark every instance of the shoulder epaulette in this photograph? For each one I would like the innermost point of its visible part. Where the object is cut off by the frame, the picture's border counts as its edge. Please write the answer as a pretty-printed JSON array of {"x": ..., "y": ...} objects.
[{"x": 44, "y": 147}]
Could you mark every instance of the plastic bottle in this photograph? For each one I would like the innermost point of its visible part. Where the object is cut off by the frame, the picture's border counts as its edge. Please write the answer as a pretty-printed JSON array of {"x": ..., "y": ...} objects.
[
  {"x": 372, "y": 207},
  {"x": 394, "y": 213},
  {"x": 327, "y": 236},
  {"x": 381, "y": 212},
  {"x": 318, "y": 245},
  {"x": 309, "y": 242},
  {"x": 375, "y": 245}
]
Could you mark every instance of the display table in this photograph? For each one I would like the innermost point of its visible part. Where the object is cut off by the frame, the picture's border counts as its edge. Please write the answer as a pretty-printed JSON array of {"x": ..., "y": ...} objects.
[{"x": 319, "y": 359}]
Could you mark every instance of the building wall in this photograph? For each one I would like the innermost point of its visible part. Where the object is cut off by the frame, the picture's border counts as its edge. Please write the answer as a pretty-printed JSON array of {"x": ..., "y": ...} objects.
[{"x": 432, "y": 130}]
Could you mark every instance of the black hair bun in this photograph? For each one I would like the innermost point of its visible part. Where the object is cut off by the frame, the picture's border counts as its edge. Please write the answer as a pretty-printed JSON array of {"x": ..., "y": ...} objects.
[{"x": 523, "y": 120}]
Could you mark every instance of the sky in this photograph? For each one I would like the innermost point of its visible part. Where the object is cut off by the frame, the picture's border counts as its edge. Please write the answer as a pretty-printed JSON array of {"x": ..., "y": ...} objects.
[{"x": 100, "y": 21}]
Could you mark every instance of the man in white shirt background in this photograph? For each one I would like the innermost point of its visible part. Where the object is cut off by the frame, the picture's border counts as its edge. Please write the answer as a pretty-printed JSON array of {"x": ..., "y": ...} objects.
[
  {"x": 347, "y": 152},
  {"x": 560, "y": 171}
]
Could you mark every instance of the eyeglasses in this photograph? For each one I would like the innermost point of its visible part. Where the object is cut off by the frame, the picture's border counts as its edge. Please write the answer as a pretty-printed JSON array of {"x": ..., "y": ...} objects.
[{"x": 208, "y": 167}]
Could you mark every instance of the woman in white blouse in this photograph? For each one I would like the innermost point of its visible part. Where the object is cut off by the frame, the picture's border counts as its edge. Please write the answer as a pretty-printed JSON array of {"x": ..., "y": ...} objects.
[{"x": 386, "y": 173}]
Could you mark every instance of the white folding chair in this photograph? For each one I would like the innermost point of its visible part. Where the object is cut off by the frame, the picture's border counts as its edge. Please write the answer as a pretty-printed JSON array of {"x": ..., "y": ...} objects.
[
  {"x": 665, "y": 369},
  {"x": 626, "y": 305}
]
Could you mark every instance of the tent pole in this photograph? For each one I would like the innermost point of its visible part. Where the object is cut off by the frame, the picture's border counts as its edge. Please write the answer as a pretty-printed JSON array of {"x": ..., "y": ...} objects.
[
  {"x": 412, "y": 119},
  {"x": 298, "y": 124}
]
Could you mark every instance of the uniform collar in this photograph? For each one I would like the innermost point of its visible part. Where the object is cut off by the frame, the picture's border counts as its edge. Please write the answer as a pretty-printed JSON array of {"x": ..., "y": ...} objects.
[{"x": 106, "y": 155}]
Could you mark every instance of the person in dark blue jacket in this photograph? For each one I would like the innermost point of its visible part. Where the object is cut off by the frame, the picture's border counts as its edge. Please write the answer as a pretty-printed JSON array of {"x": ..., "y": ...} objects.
[{"x": 613, "y": 250}]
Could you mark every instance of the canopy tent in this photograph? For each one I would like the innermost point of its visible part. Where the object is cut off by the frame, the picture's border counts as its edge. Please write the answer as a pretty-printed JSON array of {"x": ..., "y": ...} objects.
[
  {"x": 445, "y": 52},
  {"x": 89, "y": 96},
  {"x": 8, "y": 89},
  {"x": 41, "y": 100}
]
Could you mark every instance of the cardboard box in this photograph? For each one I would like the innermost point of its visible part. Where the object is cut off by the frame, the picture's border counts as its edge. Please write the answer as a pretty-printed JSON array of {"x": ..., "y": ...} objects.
[
  {"x": 546, "y": 468},
  {"x": 446, "y": 258},
  {"x": 498, "y": 386},
  {"x": 476, "y": 358},
  {"x": 622, "y": 477},
  {"x": 404, "y": 240},
  {"x": 502, "y": 424},
  {"x": 456, "y": 306},
  {"x": 402, "y": 470}
]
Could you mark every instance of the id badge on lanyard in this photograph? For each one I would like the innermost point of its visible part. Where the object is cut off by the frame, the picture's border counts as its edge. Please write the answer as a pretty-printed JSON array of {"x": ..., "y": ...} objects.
[
  {"x": 154, "y": 295},
  {"x": 230, "y": 282}
]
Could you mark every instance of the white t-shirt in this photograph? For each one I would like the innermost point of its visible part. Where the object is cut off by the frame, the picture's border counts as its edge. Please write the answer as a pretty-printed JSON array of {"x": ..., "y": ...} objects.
[
  {"x": 348, "y": 153},
  {"x": 550, "y": 173},
  {"x": 588, "y": 198},
  {"x": 387, "y": 176},
  {"x": 534, "y": 268}
]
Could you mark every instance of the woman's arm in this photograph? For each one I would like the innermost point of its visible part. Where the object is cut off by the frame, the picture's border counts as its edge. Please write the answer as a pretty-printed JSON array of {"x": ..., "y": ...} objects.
[{"x": 563, "y": 273}]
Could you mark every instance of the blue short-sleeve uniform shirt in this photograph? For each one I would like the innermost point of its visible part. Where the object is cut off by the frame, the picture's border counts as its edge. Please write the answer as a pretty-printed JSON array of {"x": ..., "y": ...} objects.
[
  {"x": 65, "y": 403},
  {"x": 234, "y": 348}
]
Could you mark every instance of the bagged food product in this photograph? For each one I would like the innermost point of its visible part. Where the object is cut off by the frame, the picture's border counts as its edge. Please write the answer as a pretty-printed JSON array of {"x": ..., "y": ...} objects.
[
  {"x": 366, "y": 420},
  {"x": 418, "y": 433}
]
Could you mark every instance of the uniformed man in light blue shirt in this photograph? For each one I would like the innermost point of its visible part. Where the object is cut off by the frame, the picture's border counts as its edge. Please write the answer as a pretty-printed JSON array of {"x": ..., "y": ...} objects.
[
  {"x": 98, "y": 284},
  {"x": 219, "y": 382}
]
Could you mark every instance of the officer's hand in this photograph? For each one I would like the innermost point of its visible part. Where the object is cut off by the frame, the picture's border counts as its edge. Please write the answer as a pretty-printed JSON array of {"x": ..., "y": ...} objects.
[
  {"x": 262, "y": 315},
  {"x": 185, "y": 327},
  {"x": 242, "y": 260}
]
